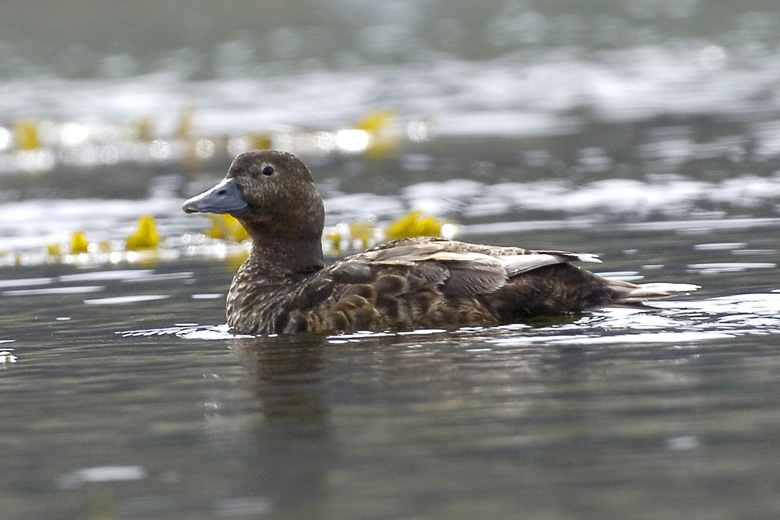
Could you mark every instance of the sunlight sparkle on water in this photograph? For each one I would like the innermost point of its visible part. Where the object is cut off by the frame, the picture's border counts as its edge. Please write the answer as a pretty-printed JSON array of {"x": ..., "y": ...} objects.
[
  {"x": 352, "y": 141},
  {"x": 120, "y": 300}
]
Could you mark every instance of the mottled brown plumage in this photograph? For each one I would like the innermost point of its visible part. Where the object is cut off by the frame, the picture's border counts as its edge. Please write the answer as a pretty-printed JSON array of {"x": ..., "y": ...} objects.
[{"x": 284, "y": 285}]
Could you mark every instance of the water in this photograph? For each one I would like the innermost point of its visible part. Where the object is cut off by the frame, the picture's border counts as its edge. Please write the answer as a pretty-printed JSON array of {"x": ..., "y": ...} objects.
[
  {"x": 128, "y": 398},
  {"x": 645, "y": 132}
]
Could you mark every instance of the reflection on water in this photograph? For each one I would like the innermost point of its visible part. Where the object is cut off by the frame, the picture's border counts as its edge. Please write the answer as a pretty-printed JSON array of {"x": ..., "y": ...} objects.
[{"x": 288, "y": 377}]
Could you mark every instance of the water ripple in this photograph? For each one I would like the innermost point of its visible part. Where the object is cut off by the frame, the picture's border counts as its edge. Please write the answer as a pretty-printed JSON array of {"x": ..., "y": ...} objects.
[
  {"x": 658, "y": 322},
  {"x": 187, "y": 331}
]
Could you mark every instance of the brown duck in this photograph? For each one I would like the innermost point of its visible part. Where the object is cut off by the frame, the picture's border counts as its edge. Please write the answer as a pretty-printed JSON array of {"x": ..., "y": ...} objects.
[{"x": 284, "y": 285}]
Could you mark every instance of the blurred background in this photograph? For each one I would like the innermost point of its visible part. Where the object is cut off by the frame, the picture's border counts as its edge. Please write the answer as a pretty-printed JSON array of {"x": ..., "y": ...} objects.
[
  {"x": 246, "y": 65},
  {"x": 142, "y": 100}
]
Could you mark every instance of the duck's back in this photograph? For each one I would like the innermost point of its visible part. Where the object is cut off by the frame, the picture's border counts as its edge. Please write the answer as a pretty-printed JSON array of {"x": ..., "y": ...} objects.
[{"x": 423, "y": 283}]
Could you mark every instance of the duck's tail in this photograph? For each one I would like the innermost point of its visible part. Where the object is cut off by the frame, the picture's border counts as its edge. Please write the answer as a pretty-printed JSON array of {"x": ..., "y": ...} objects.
[{"x": 629, "y": 293}]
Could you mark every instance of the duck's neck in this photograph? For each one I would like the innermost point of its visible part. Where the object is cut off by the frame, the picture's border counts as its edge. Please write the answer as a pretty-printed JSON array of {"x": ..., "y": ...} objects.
[{"x": 284, "y": 257}]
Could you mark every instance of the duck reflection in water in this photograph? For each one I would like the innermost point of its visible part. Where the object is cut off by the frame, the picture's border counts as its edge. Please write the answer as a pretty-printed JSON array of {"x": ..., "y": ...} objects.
[
  {"x": 293, "y": 444},
  {"x": 287, "y": 376}
]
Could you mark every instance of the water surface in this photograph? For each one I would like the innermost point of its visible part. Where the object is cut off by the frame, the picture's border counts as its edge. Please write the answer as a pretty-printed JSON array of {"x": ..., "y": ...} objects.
[{"x": 129, "y": 398}]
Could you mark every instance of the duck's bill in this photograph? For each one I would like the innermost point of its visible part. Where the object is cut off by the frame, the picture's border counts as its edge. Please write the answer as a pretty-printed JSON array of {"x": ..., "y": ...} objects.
[{"x": 222, "y": 198}]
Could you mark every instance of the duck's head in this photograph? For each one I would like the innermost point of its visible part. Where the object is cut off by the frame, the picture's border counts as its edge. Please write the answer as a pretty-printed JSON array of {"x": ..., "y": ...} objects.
[{"x": 271, "y": 193}]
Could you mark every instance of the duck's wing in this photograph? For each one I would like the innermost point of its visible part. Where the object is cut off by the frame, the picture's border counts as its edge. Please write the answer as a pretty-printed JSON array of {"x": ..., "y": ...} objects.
[
  {"x": 569, "y": 256},
  {"x": 518, "y": 264},
  {"x": 465, "y": 269}
]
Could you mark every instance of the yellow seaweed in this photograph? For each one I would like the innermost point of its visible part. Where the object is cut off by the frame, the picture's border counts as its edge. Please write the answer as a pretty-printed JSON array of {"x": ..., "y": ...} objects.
[
  {"x": 414, "y": 224},
  {"x": 78, "y": 243},
  {"x": 146, "y": 236},
  {"x": 26, "y": 133},
  {"x": 226, "y": 227}
]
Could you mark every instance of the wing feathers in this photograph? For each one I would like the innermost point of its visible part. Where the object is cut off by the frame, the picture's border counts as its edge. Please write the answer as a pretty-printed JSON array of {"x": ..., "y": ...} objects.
[{"x": 465, "y": 269}]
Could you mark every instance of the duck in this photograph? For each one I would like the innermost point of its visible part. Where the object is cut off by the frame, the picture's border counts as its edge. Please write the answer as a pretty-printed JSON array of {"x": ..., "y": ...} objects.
[{"x": 284, "y": 285}]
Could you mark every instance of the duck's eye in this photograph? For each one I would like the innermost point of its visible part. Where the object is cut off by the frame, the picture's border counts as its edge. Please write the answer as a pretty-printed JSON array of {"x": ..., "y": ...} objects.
[{"x": 267, "y": 170}]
